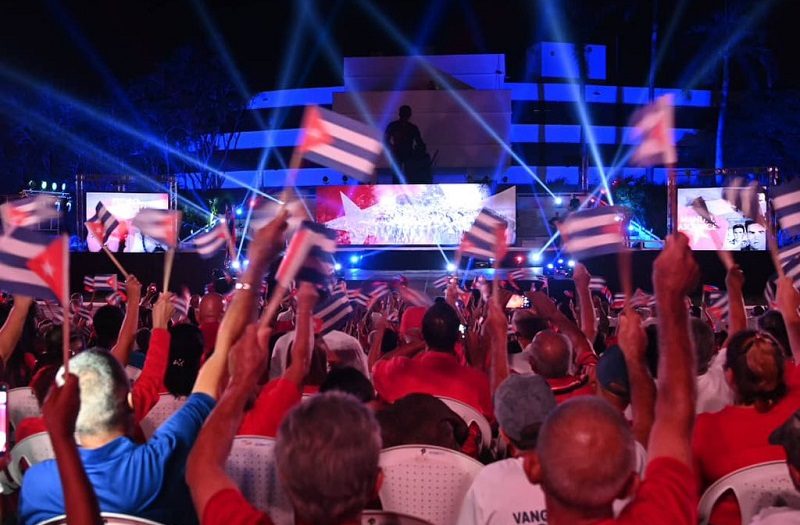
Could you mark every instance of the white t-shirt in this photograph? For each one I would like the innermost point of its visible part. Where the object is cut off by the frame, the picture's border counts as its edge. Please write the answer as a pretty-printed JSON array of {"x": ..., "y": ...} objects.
[
  {"x": 337, "y": 342},
  {"x": 502, "y": 495},
  {"x": 713, "y": 391},
  {"x": 777, "y": 516}
]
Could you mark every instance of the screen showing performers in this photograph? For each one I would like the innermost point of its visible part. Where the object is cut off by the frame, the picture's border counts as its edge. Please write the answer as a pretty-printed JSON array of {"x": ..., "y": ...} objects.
[
  {"x": 124, "y": 206},
  {"x": 712, "y": 223}
]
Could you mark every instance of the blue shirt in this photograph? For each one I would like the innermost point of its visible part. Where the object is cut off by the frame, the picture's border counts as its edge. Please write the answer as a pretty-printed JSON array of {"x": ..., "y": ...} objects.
[{"x": 140, "y": 480}]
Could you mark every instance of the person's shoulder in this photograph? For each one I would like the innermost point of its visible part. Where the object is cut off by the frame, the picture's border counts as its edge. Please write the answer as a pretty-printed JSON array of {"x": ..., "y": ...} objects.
[
  {"x": 40, "y": 477},
  {"x": 501, "y": 469}
]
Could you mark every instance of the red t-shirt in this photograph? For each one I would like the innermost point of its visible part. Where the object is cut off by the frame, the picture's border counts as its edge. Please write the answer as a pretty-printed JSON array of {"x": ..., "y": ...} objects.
[
  {"x": 667, "y": 495},
  {"x": 150, "y": 383},
  {"x": 273, "y": 402},
  {"x": 434, "y": 373},
  {"x": 565, "y": 388},
  {"x": 228, "y": 507},
  {"x": 733, "y": 438}
]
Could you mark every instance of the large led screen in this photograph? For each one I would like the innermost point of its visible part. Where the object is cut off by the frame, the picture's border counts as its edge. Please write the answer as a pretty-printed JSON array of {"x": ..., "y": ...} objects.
[
  {"x": 124, "y": 206},
  {"x": 414, "y": 214},
  {"x": 724, "y": 228}
]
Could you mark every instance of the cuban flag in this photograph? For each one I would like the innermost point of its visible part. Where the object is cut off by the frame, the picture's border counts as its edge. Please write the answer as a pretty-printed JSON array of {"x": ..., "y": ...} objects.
[
  {"x": 116, "y": 298},
  {"x": 718, "y": 306},
  {"x": 180, "y": 307},
  {"x": 340, "y": 143},
  {"x": 442, "y": 282},
  {"x": 160, "y": 225},
  {"x": 332, "y": 312},
  {"x": 33, "y": 264},
  {"x": 486, "y": 238},
  {"x": 596, "y": 231},
  {"x": 208, "y": 244},
  {"x": 618, "y": 303},
  {"x": 786, "y": 204},
  {"x": 102, "y": 224},
  {"x": 414, "y": 298},
  {"x": 28, "y": 212},
  {"x": 771, "y": 293},
  {"x": 309, "y": 257},
  {"x": 789, "y": 258},
  {"x": 105, "y": 282},
  {"x": 600, "y": 286},
  {"x": 357, "y": 297},
  {"x": 744, "y": 197},
  {"x": 654, "y": 124}
]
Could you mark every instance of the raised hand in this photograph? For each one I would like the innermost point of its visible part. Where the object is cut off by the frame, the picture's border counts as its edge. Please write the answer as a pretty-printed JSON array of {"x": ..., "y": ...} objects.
[
  {"x": 675, "y": 272},
  {"x": 162, "y": 311}
]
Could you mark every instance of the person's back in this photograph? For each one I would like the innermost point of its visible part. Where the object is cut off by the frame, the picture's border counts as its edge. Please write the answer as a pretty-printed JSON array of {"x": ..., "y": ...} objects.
[
  {"x": 107, "y": 321},
  {"x": 501, "y": 494},
  {"x": 437, "y": 370},
  {"x": 402, "y": 136}
]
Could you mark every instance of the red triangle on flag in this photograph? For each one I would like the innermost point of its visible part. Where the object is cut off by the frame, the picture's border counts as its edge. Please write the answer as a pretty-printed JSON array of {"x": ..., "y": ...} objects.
[
  {"x": 97, "y": 229},
  {"x": 49, "y": 266},
  {"x": 314, "y": 132},
  {"x": 16, "y": 217}
]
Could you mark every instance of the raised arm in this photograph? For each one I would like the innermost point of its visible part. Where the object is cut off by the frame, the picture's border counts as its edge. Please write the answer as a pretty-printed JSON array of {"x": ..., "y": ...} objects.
[
  {"x": 205, "y": 469},
  {"x": 268, "y": 242},
  {"x": 633, "y": 343},
  {"x": 737, "y": 318},
  {"x": 675, "y": 274},
  {"x": 496, "y": 330},
  {"x": 60, "y": 411},
  {"x": 148, "y": 386},
  {"x": 12, "y": 328},
  {"x": 544, "y": 307},
  {"x": 127, "y": 333},
  {"x": 788, "y": 303},
  {"x": 303, "y": 335},
  {"x": 588, "y": 320},
  {"x": 380, "y": 325}
]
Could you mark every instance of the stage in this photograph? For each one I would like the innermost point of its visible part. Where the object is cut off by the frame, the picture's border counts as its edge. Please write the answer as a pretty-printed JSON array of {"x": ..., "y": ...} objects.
[{"x": 420, "y": 266}]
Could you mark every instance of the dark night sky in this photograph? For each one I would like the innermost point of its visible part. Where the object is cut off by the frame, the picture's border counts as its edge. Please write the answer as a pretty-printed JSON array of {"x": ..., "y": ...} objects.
[{"x": 70, "y": 43}]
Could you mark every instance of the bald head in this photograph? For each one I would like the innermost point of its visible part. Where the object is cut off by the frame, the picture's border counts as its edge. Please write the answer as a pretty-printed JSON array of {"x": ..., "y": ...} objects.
[
  {"x": 211, "y": 309},
  {"x": 550, "y": 354},
  {"x": 586, "y": 454},
  {"x": 526, "y": 325}
]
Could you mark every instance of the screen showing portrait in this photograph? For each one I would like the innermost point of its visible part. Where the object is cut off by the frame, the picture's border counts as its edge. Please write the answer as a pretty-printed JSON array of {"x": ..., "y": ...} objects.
[
  {"x": 712, "y": 223},
  {"x": 124, "y": 206}
]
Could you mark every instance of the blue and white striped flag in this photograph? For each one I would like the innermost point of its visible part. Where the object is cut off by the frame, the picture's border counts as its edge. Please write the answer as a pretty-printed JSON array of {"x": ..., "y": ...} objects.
[
  {"x": 358, "y": 297},
  {"x": 105, "y": 282},
  {"x": 653, "y": 124},
  {"x": 786, "y": 204},
  {"x": 744, "y": 197},
  {"x": 789, "y": 258},
  {"x": 102, "y": 224},
  {"x": 19, "y": 248},
  {"x": 340, "y": 143},
  {"x": 486, "y": 238},
  {"x": 332, "y": 312},
  {"x": 209, "y": 243},
  {"x": 596, "y": 231},
  {"x": 309, "y": 257},
  {"x": 600, "y": 286},
  {"x": 160, "y": 225},
  {"x": 31, "y": 211}
]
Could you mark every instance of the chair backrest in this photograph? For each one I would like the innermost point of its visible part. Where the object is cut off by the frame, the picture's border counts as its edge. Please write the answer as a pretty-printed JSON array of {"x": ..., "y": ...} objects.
[
  {"x": 251, "y": 464},
  {"x": 110, "y": 518},
  {"x": 28, "y": 452},
  {"x": 755, "y": 487},
  {"x": 470, "y": 415},
  {"x": 132, "y": 372},
  {"x": 166, "y": 406},
  {"x": 21, "y": 404},
  {"x": 382, "y": 517},
  {"x": 426, "y": 481}
]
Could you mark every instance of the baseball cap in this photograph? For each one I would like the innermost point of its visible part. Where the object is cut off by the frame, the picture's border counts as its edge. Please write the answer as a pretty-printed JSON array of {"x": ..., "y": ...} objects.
[
  {"x": 520, "y": 402},
  {"x": 412, "y": 319},
  {"x": 612, "y": 372},
  {"x": 788, "y": 436}
]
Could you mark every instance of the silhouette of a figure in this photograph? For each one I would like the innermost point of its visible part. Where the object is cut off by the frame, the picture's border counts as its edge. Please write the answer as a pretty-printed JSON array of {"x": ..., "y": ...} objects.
[{"x": 404, "y": 139}]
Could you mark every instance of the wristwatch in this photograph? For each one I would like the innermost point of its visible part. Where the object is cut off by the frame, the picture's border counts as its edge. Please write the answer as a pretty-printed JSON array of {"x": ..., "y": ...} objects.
[{"x": 243, "y": 286}]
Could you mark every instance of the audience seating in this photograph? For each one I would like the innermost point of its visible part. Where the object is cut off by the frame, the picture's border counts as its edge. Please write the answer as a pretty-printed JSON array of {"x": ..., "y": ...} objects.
[
  {"x": 166, "y": 406},
  {"x": 108, "y": 517},
  {"x": 470, "y": 415},
  {"x": 755, "y": 487},
  {"x": 28, "y": 452},
  {"x": 382, "y": 517},
  {"x": 426, "y": 481},
  {"x": 251, "y": 464},
  {"x": 21, "y": 404}
]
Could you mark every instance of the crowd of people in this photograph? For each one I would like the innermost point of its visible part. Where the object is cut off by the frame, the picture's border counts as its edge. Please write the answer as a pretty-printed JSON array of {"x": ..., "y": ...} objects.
[{"x": 595, "y": 417}]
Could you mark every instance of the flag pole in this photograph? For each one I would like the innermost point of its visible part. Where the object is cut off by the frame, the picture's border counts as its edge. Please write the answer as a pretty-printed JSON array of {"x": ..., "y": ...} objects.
[
  {"x": 169, "y": 257},
  {"x": 65, "y": 327},
  {"x": 272, "y": 306},
  {"x": 672, "y": 199},
  {"x": 625, "y": 262},
  {"x": 115, "y": 261}
]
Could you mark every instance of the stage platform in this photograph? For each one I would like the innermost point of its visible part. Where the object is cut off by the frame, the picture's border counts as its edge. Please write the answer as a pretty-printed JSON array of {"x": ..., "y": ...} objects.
[{"x": 419, "y": 266}]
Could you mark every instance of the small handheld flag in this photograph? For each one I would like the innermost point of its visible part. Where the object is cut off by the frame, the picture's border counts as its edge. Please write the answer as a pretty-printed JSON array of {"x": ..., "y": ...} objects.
[
  {"x": 31, "y": 264},
  {"x": 340, "y": 143},
  {"x": 160, "y": 225},
  {"x": 654, "y": 125},
  {"x": 332, "y": 312},
  {"x": 744, "y": 198},
  {"x": 596, "y": 231},
  {"x": 102, "y": 224},
  {"x": 24, "y": 213},
  {"x": 786, "y": 204},
  {"x": 309, "y": 257},
  {"x": 486, "y": 238},
  {"x": 209, "y": 243}
]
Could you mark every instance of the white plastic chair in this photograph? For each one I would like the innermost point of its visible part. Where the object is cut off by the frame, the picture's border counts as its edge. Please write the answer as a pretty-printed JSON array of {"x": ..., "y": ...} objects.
[
  {"x": 382, "y": 517},
  {"x": 28, "y": 452},
  {"x": 21, "y": 404},
  {"x": 132, "y": 372},
  {"x": 251, "y": 464},
  {"x": 163, "y": 410},
  {"x": 111, "y": 518},
  {"x": 426, "y": 481},
  {"x": 470, "y": 415},
  {"x": 755, "y": 487}
]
